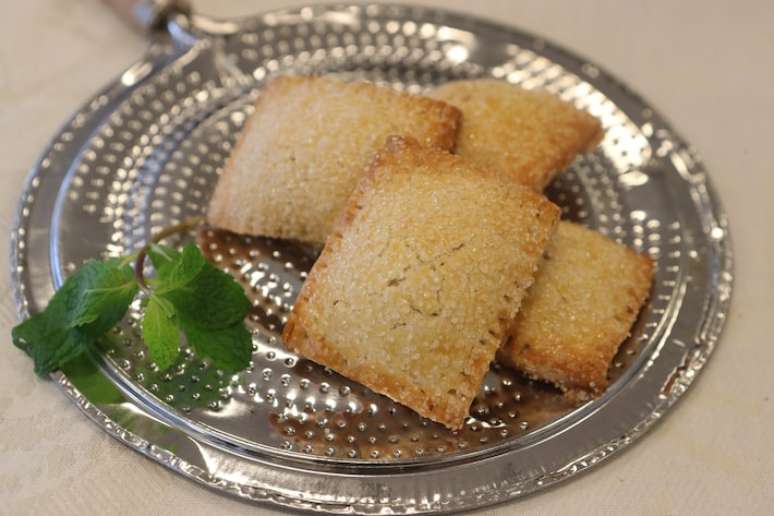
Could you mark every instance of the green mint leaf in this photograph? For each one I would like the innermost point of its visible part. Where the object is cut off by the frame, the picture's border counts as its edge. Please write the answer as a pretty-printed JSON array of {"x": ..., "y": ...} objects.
[
  {"x": 169, "y": 308},
  {"x": 48, "y": 344},
  {"x": 162, "y": 257},
  {"x": 209, "y": 306},
  {"x": 48, "y": 337},
  {"x": 105, "y": 291},
  {"x": 229, "y": 348},
  {"x": 182, "y": 270},
  {"x": 160, "y": 334},
  {"x": 213, "y": 299}
]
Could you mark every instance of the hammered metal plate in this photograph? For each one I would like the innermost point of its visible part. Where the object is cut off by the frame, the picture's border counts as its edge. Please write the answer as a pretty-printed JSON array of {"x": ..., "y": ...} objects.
[{"x": 146, "y": 152}]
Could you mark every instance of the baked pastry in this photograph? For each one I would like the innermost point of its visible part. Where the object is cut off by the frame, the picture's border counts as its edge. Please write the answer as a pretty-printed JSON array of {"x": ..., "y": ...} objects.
[
  {"x": 417, "y": 286},
  {"x": 302, "y": 152},
  {"x": 529, "y": 135},
  {"x": 585, "y": 298}
]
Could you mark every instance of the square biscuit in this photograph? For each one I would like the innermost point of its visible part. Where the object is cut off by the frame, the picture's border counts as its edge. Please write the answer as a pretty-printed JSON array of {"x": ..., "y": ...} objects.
[
  {"x": 303, "y": 150},
  {"x": 585, "y": 298},
  {"x": 529, "y": 135},
  {"x": 417, "y": 286}
]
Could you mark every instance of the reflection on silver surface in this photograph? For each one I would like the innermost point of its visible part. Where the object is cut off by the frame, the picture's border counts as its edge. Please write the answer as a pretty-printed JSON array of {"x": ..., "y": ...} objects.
[
  {"x": 633, "y": 178},
  {"x": 145, "y": 153}
]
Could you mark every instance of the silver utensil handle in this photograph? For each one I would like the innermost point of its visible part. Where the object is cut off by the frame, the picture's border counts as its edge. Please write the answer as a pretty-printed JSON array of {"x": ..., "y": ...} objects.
[{"x": 147, "y": 15}]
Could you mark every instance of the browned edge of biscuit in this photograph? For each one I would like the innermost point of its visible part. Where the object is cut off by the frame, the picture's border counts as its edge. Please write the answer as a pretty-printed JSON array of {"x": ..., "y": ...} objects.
[
  {"x": 584, "y": 145},
  {"x": 589, "y": 127},
  {"x": 451, "y": 414},
  {"x": 449, "y": 116},
  {"x": 588, "y": 381}
]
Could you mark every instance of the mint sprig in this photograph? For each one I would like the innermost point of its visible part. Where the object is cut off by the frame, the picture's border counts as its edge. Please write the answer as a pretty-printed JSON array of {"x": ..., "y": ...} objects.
[{"x": 188, "y": 298}]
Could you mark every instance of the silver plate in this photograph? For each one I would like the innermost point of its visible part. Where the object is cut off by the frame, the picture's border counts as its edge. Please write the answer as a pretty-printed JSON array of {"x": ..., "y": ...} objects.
[{"x": 145, "y": 153}]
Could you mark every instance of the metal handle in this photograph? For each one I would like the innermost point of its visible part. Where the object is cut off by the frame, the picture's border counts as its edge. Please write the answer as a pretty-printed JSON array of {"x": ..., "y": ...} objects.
[{"x": 147, "y": 15}]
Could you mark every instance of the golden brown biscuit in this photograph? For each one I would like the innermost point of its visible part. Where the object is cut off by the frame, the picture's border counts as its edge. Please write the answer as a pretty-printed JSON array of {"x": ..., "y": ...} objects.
[
  {"x": 418, "y": 284},
  {"x": 585, "y": 298},
  {"x": 530, "y": 135},
  {"x": 305, "y": 147}
]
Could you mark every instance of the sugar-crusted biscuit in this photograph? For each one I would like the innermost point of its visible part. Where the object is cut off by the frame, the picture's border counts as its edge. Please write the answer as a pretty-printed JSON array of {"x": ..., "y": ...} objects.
[
  {"x": 302, "y": 152},
  {"x": 585, "y": 298},
  {"x": 530, "y": 135},
  {"x": 417, "y": 286}
]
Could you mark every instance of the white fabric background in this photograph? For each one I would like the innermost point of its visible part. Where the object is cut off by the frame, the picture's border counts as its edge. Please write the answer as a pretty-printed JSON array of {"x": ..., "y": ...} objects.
[{"x": 707, "y": 65}]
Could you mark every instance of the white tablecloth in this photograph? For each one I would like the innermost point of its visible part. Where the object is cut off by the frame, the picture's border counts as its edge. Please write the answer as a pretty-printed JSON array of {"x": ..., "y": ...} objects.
[{"x": 708, "y": 65}]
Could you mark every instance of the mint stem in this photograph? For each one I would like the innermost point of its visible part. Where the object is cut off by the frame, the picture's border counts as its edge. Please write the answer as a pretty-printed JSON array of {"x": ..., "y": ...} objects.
[{"x": 139, "y": 263}]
